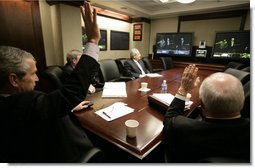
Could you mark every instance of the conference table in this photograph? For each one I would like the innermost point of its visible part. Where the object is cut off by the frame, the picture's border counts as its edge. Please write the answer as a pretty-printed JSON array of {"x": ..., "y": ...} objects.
[{"x": 149, "y": 132}]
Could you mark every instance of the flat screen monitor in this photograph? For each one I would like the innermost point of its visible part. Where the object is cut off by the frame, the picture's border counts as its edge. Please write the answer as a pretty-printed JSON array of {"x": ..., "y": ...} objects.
[
  {"x": 232, "y": 45},
  {"x": 119, "y": 40},
  {"x": 174, "y": 44}
]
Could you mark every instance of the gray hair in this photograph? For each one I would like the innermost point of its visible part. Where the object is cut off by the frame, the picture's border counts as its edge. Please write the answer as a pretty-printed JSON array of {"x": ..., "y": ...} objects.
[
  {"x": 73, "y": 54},
  {"x": 222, "y": 93},
  {"x": 133, "y": 52},
  {"x": 12, "y": 61}
]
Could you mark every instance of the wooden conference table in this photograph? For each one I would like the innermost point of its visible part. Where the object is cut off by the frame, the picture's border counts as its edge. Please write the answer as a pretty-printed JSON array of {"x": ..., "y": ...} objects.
[{"x": 149, "y": 132}]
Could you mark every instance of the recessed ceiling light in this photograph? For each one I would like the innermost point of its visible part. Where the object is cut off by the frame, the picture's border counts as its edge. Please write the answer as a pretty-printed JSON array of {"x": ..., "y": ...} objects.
[
  {"x": 163, "y": 1},
  {"x": 185, "y": 1}
]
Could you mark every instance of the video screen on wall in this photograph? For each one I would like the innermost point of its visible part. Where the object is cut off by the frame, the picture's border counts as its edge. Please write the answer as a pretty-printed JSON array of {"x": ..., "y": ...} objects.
[
  {"x": 232, "y": 45},
  {"x": 174, "y": 44},
  {"x": 119, "y": 40}
]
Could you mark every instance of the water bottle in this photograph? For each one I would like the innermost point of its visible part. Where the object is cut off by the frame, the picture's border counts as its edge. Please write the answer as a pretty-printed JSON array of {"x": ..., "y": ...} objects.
[{"x": 164, "y": 87}]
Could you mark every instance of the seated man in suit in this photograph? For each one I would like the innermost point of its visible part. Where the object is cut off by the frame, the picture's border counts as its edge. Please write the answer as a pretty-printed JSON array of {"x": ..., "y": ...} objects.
[
  {"x": 37, "y": 127},
  {"x": 221, "y": 133},
  {"x": 135, "y": 66},
  {"x": 72, "y": 58}
]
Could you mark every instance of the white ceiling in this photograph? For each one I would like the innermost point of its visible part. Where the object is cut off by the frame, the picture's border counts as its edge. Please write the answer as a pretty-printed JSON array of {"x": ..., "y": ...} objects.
[{"x": 153, "y": 9}]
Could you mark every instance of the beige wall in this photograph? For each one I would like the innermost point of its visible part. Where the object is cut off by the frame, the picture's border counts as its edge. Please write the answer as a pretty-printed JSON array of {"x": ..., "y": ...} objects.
[
  {"x": 61, "y": 25},
  {"x": 203, "y": 29}
]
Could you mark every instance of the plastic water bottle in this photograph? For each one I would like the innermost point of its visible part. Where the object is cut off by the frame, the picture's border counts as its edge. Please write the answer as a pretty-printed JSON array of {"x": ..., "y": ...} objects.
[{"x": 164, "y": 87}]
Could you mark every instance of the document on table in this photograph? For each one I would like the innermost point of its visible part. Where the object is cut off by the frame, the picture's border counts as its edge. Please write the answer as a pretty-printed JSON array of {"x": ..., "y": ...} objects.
[
  {"x": 114, "y": 89},
  {"x": 153, "y": 75},
  {"x": 167, "y": 98},
  {"x": 114, "y": 111}
]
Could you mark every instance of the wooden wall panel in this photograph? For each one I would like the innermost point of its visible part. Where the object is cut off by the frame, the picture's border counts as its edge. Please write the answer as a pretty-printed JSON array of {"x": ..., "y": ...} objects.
[{"x": 21, "y": 27}]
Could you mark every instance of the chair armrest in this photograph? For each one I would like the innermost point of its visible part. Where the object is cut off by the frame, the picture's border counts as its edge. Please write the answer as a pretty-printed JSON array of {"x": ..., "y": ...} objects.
[{"x": 126, "y": 78}]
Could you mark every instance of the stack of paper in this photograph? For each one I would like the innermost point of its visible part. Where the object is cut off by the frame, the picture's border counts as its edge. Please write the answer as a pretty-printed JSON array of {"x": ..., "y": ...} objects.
[
  {"x": 167, "y": 98},
  {"x": 153, "y": 75},
  {"x": 114, "y": 89},
  {"x": 114, "y": 111}
]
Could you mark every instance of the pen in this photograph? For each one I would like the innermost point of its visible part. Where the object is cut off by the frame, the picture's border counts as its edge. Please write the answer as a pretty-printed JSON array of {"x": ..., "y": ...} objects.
[{"x": 106, "y": 115}]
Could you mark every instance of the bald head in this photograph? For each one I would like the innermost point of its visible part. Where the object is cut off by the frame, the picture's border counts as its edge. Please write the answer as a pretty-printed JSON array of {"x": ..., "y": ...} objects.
[{"x": 222, "y": 95}]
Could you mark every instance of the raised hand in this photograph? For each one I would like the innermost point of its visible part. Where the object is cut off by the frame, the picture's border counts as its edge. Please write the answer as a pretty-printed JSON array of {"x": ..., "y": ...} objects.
[
  {"x": 89, "y": 16},
  {"x": 189, "y": 79}
]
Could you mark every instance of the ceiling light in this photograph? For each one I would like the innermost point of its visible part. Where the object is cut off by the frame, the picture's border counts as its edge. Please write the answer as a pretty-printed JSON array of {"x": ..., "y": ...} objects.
[
  {"x": 185, "y": 1},
  {"x": 163, "y": 1}
]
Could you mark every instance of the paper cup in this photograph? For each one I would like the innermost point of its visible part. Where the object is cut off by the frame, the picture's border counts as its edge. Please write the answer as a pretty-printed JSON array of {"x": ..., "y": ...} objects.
[
  {"x": 131, "y": 127},
  {"x": 144, "y": 85}
]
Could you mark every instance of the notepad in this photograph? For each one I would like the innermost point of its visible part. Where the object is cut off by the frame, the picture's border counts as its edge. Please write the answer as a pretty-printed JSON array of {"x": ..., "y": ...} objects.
[
  {"x": 153, "y": 75},
  {"x": 114, "y": 89},
  {"x": 167, "y": 98},
  {"x": 114, "y": 111}
]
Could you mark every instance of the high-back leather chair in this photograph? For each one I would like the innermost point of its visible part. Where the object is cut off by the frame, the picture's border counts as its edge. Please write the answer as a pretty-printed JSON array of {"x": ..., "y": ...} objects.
[
  {"x": 53, "y": 78},
  {"x": 239, "y": 74},
  {"x": 235, "y": 65},
  {"x": 109, "y": 72},
  {"x": 167, "y": 62},
  {"x": 120, "y": 63},
  {"x": 148, "y": 65}
]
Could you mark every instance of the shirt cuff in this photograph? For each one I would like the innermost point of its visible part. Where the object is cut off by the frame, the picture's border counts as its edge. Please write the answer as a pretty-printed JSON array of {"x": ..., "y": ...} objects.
[
  {"x": 180, "y": 97},
  {"x": 91, "y": 50}
]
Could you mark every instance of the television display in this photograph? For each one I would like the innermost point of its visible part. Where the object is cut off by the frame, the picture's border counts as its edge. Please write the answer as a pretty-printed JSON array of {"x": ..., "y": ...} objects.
[
  {"x": 174, "y": 44},
  {"x": 119, "y": 40},
  {"x": 232, "y": 45}
]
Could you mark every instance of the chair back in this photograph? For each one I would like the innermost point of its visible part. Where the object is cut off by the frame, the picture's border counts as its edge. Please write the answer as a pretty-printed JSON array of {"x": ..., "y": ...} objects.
[
  {"x": 120, "y": 63},
  {"x": 239, "y": 74},
  {"x": 147, "y": 64},
  {"x": 167, "y": 62},
  {"x": 54, "y": 76},
  {"x": 235, "y": 65},
  {"x": 109, "y": 71}
]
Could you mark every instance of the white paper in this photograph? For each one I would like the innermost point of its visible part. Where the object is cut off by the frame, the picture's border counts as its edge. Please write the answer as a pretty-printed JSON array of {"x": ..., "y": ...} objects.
[
  {"x": 153, "y": 75},
  {"x": 114, "y": 111},
  {"x": 167, "y": 98},
  {"x": 114, "y": 89}
]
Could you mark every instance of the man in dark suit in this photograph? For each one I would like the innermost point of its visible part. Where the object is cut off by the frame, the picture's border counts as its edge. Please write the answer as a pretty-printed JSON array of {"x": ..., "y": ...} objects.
[
  {"x": 134, "y": 67},
  {"x": 72, "y": 58},
  {"x": 222, "y": 133},
  {"x": 37, "y": 127}
]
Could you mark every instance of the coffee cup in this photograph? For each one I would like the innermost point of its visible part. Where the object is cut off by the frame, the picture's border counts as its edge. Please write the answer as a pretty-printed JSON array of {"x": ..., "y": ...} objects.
[
  {"x": 131, "y": 127},
  {"x": 144, "y": 85}
]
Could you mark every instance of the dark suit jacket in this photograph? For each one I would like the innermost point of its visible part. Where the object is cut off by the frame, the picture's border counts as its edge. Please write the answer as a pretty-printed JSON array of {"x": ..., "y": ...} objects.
[
  {"x": 190, "y": 140},
  {"x": 131, "y": 69},
  {"x": 39, "y": 127}
]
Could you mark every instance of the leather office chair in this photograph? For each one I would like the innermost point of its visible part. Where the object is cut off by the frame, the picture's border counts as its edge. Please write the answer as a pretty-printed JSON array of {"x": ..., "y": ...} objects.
[
  {"x": 120, "y": 63},
  {"x": 148, "y": 65},
  {"x": 167, "y": 62},
  {"x": 241, "y": 75},
  {"x": 51, "y": 78},
  {"x": 234, "y": 65},
  {"x": 109, "y": 72}
]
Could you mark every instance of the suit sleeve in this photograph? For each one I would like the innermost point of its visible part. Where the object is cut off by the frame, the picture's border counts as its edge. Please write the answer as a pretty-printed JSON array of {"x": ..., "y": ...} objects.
[
  {"x": 175, "y": 108},
  {"x": 129, "y": 70}
]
